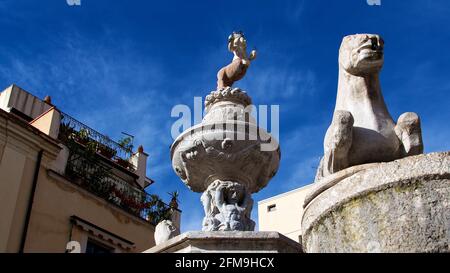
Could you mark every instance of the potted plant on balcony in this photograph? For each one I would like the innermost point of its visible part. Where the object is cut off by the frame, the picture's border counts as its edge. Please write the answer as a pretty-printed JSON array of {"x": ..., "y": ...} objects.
[
  {"x": 127, "y": 143},
  {"x": 66, "y": 131},
  {"x": 106, "y": 151},
  {"x": 82, "y": 136}
]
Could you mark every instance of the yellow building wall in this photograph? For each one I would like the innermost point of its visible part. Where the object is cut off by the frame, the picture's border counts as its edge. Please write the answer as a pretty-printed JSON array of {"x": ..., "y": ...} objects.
[
  {"x": 57, "y": 200},
  {"x": 285, "y": 218},
  {"x": 16, "y": 174}
]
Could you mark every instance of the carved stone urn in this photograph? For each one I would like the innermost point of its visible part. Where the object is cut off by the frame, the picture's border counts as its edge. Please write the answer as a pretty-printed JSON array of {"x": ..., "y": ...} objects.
[{"x": 227, "y": 157}]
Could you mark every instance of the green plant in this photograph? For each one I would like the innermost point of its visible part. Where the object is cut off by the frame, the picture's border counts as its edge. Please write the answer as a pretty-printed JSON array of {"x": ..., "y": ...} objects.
[
  {"x": 97, "y": 183},
  {"x": 157, "y": 210},
  {"x": 127, "y": 143},
  {"x": 66, "y": 131},
  {"x": 82, "y": 136},
  {"x": 174, "y": 201},
  {"x": 106, "y": 150}
]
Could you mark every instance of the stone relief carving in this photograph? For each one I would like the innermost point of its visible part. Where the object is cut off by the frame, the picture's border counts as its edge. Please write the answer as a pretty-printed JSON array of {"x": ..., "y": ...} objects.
[
  {"x": 228, "y": 94},
  {"x": 228, "y": 158},
  {"x": 238, "y": 67},
  {"x": 362, "y": 130},
  {"x": 228, "y": 104},
  {"x": 227, "y": 207}
]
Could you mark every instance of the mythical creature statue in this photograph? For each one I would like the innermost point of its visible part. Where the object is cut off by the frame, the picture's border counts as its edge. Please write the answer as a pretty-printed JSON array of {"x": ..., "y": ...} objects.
[
  {"x": 362, "y": 130},
  {"x": 238, "y": 67},
  {"x": 227, "y": 207}
]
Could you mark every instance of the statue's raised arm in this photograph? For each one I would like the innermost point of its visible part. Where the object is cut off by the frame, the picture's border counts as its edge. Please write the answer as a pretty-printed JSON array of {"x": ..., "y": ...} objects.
[{"x": 236, "y": 70}]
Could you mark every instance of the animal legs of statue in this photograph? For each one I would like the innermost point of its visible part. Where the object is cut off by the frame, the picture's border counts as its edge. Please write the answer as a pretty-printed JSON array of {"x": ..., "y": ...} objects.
[
  {"x": 409, "y": 132},
  {"x": 221, "y": 79},
  {"x": 338, "y": 141}
]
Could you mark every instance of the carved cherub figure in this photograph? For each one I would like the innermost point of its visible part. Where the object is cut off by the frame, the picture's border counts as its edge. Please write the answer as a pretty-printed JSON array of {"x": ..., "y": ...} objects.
[
  {"x": 238, "y": 67},
  {"x": 227, "y": 207},
  {"x": 362, "y": 130},
  {"x": 233, "y": 203},
  {"x": 210, "y": 222}
]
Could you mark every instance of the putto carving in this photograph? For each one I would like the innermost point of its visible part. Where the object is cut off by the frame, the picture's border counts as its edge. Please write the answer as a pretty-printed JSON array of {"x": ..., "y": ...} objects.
[
  {"x": 227, "y": 207},
  {"x": 362, "y": 130},
  {"x": 238, "y": 67}
]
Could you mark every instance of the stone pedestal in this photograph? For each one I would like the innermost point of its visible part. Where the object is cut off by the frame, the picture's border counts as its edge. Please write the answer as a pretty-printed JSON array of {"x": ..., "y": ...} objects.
[
  {"x": 399, "y": 206},
  {"x": 228, "y": 241}
]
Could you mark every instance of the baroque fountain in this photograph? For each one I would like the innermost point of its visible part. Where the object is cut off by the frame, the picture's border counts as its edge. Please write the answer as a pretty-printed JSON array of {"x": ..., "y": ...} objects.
[{"x": 227, "y": 158}]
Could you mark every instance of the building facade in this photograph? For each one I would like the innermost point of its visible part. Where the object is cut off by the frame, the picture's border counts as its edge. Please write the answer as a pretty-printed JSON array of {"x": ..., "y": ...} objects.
[
  {"x": 282, "y": 213},
  {"x": 64, "y": 185}
]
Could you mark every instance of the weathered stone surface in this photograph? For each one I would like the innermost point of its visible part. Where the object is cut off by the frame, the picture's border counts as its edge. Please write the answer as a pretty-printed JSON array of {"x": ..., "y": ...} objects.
[
  {"x": 399, "y": 206},
  {"x": 224, "y": 149},
  {"x": 164, "y": 231},
  {"x": 331, "y": 180},
  {"x": 228, "y": 206},
  {"x": 232, "y": 241},
  {"x": 229, "y": 95},
  {"x": 362, "y": 130},
  {"x": 227, "y": 151}
]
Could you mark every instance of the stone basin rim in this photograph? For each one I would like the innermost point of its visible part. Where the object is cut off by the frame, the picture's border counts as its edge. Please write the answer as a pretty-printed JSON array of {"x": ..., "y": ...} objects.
[
  {"x": 329, "y": 181},
  {"x": 318, "y": 212}
]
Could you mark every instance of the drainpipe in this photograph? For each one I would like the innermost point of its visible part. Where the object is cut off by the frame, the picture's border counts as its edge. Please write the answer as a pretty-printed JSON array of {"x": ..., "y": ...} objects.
[{"x": 30, "y": 201}]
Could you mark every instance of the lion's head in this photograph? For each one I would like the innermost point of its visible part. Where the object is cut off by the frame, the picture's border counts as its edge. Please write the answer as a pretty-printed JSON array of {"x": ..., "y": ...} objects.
[{"x": 361, "y": 54}]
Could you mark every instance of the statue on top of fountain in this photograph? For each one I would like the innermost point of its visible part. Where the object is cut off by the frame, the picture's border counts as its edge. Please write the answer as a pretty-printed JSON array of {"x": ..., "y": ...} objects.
[{"x": 238, "y": 67}]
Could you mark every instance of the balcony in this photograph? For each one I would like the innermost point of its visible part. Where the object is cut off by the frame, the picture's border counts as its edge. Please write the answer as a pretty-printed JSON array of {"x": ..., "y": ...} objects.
[
  {"x": 96, "y": 163},
  {"x": 73, "y": 129}
]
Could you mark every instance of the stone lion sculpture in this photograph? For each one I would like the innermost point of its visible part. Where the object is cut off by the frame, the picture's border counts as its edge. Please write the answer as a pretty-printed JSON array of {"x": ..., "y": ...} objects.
[
  {"x": 362, "y": 130},
  {"x": 164, "y": 231},
  {"x": 238, "y": 67}
]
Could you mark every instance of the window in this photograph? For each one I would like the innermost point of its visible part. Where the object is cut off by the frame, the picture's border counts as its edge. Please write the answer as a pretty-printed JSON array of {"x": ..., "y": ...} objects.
[
  {"x": 272, "y": 208},
  {"x": 94, "y": 247}
]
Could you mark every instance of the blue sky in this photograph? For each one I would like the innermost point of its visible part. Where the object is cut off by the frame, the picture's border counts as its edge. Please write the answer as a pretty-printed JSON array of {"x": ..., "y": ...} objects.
[{"x": 120, "y": 66}]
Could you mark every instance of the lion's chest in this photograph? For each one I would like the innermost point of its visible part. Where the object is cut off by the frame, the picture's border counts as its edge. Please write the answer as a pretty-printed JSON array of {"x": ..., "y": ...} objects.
[{"x": 374, "y": 137}]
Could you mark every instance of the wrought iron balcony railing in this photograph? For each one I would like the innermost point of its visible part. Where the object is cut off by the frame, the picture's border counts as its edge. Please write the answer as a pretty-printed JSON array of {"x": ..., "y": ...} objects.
[
  {"x": 86, "y": 171},
  {"x": 83, "y": 134}
]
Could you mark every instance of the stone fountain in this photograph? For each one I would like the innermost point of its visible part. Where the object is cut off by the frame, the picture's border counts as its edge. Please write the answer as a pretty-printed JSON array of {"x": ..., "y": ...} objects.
[
  {"x": 375, "y": 191},
  {"x": 227, "y": 158}
]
